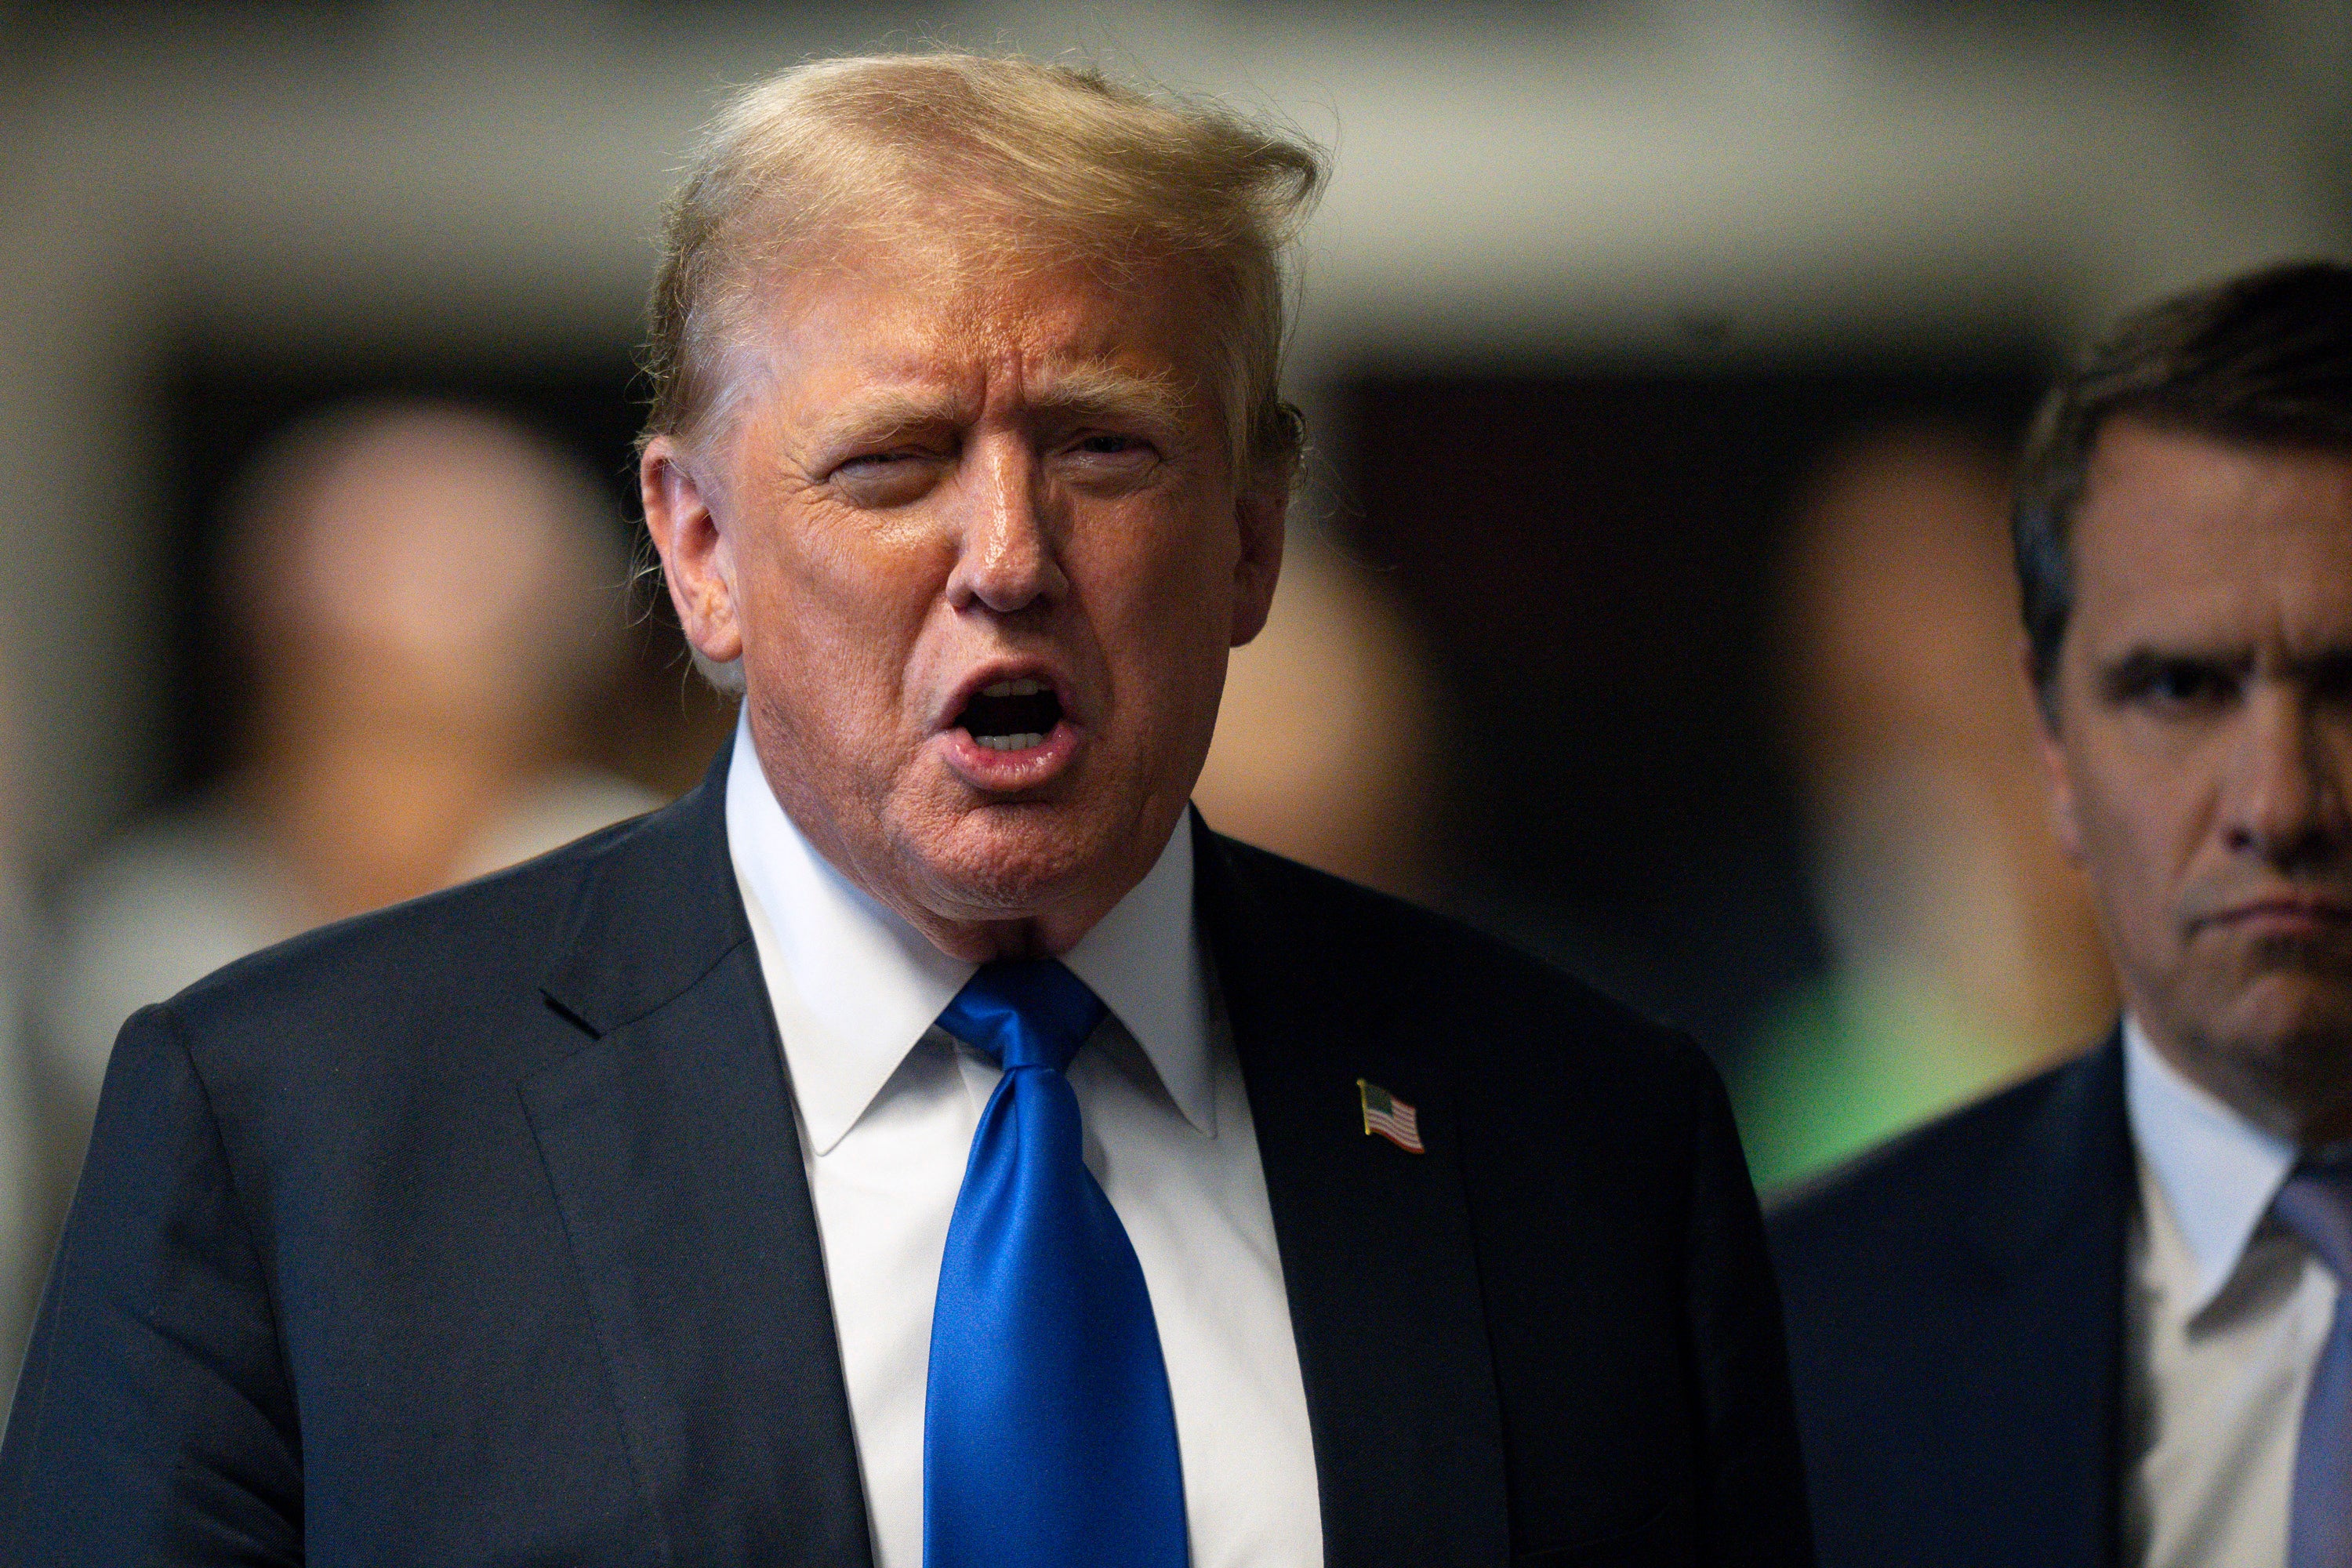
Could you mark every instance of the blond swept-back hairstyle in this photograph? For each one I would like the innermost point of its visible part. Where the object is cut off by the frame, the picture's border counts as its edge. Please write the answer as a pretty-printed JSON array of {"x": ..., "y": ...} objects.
[{"x": 1051, "y": 165}]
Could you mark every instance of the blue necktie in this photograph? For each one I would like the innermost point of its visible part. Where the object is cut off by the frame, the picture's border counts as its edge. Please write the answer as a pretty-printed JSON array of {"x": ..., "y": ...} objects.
[
  {"x": 1049, "y": 1437},
  {"x": 2317, "y": 1202}
]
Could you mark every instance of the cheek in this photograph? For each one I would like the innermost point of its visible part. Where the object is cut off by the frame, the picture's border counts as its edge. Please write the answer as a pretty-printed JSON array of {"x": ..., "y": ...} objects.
[
  {"x": 1190, "y": 548},
  {"x": 832, "y": 620},
  {"x": 2139, "y": 842},
  {"x": 1171, "y": 594}
]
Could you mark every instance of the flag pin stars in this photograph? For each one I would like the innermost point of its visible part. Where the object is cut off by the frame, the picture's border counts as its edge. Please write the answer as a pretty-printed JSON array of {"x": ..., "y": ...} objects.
[{"x": 1388, "y": 1116}]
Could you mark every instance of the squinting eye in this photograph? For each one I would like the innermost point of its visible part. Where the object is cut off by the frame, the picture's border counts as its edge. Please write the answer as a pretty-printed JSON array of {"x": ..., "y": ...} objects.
[
  {"x": 2192, "y": 685},
  {"x": 1110, "y": 445},
  {"x": 2170, "y": 685},
  {"x": 883, "y": 478},
  {"x": 2177, "y": 684}
]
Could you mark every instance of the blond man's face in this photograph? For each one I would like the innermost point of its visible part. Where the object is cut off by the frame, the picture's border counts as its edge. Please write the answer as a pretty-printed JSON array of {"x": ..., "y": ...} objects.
[{"x": 978, "y": 542}]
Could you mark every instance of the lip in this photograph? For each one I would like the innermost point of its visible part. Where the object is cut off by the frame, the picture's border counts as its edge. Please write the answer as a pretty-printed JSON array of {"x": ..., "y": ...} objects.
[
  {"x": 1010, "y": 773},
  {"x": 2283, "y": 914}
]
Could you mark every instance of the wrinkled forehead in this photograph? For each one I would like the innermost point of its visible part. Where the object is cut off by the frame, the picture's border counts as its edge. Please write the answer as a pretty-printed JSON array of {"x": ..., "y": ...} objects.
[
  {"x": 947, "y": 299},
  {"x": 2196, "y": 538}
]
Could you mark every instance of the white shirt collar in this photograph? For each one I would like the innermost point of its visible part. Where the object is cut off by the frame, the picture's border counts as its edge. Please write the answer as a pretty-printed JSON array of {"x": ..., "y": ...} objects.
[
  {"x": 2218, "y": 1171},
  {"x": 855, "y": 986}
]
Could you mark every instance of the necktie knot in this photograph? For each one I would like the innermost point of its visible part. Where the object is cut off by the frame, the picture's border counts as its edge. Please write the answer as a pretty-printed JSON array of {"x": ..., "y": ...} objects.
[
  {"x": 1024, "y": 1013},
  {"x": 2316, "y": 1203}
]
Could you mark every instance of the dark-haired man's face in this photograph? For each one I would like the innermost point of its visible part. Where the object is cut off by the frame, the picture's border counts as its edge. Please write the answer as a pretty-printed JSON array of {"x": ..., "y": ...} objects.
[{"x": 2201, "y": 754}]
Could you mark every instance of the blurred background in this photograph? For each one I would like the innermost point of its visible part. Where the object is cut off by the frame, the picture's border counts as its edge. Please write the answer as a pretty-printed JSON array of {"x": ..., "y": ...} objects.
[{"x": 1648, "y": 605}]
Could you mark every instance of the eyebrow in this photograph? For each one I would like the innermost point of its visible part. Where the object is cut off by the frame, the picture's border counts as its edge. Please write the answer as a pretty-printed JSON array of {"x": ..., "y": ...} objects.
[
  {"x": 889, "y": 411},
  {"x": 1079, "y": 391},
  {"x": 1098, "y": 389},
  {"x": 2137, "y": 667}
]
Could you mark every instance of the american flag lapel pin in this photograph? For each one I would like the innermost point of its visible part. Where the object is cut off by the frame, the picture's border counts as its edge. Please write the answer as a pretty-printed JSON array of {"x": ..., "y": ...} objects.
[{"x": 1388, "y": 1116}]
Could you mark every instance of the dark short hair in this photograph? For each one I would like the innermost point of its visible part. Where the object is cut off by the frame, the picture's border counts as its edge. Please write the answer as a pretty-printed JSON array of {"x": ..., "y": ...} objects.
[{"x": 2264, "y": 360}]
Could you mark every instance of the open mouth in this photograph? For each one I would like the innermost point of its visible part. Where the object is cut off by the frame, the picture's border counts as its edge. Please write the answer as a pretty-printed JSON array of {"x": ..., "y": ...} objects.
[{"x": 1012, "y": 715}]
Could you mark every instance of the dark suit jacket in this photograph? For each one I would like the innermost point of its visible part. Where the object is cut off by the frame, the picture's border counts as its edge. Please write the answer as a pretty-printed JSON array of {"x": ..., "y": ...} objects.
[
  {"x": 1956, "y": 1331},
  {"x": 477, "y": 1232}
]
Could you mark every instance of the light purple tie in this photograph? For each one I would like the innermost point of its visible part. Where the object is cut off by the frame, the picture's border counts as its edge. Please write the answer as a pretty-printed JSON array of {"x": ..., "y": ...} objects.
[{"x": 2317, "y": 1203}]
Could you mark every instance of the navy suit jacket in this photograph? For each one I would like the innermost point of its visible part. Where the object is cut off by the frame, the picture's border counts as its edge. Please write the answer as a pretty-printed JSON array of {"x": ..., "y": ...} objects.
[
  {"x": 477, "y": 1232},
  {"x": 1955, "y": 1307}
]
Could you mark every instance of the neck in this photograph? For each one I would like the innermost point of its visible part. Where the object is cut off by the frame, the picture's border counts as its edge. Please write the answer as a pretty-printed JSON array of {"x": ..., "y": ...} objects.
[
  {"x": 2298, "y": 1089},
  {"x": 1046, "y": 927},
  {"x": 981, "y": 941}
]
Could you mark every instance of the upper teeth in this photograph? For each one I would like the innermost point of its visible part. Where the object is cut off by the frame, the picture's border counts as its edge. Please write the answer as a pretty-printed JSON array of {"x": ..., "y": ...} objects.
[{"x": 1025, "y": 687}]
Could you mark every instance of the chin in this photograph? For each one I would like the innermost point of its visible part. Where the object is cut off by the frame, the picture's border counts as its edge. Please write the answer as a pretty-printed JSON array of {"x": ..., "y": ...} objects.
[
  {"x": 2284, "y": 1021},
  {"x": 1013, "y": 862},
  {"x": 2294, "y": 1033}
]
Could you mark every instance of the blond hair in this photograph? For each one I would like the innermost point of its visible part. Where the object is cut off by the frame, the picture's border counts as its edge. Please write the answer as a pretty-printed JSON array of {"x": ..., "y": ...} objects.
[{"x": 1055, "y": 164}]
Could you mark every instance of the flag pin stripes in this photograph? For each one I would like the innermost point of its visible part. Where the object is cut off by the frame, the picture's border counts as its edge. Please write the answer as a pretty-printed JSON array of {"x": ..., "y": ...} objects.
[{"x": 1388, "y": 1116}]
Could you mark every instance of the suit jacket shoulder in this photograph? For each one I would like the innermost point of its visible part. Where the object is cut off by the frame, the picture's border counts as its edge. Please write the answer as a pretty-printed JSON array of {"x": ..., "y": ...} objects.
[
  {"x": 1955, "y": 1303},
  {"x": 469, "y": 1231},
  {"x": 650, "y": 896}
]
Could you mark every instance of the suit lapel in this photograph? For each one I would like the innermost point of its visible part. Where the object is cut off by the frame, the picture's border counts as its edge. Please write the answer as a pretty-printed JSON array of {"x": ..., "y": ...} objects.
[
  {"x": 2051, "y": 1226},
  {"x": 669, "y": 1141},
  {"x": 1376, "y": 1250}
]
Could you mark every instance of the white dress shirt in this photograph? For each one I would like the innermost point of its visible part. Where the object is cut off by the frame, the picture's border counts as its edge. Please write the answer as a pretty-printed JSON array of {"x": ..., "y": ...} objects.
[
  {"x": 888, "y": 1105},
  {"x": 2226, "y": 1312}
]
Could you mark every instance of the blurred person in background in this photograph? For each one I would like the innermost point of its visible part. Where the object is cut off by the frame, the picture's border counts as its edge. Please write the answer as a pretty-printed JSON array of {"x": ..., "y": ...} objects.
[
  {"x": 425, "y": 597},
  {"x": 2100, "y": 1316},
  {"x": 1291, "y": 770},
  {"x": 1965, "y": 950}
]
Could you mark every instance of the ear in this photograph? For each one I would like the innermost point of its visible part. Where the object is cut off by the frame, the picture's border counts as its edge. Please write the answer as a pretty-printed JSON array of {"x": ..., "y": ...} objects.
[
  {"x": 1260, "y": 514},
  {"x": 2056, "y": 777},
  {"x": 697, "y": 556}
]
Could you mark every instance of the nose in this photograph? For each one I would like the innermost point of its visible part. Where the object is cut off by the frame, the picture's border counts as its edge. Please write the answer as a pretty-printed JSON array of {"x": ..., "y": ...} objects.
[
  {"x": 1006, "y": 559},
  {"x": 2287, "y": 805}
]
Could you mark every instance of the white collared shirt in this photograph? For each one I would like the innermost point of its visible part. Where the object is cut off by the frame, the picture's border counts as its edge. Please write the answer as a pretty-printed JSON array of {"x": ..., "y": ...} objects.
[
  {"x": 888, "y": 1105},
  {"x": 2226, "y": 1313}
]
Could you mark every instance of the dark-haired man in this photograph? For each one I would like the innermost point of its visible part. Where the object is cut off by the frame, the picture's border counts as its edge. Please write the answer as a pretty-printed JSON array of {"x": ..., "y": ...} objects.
[{"x": 2098, "y": 1318}]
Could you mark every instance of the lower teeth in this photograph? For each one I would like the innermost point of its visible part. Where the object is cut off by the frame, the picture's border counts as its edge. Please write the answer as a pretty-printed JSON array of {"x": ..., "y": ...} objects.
[{"x": 1009, "y": 743}]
